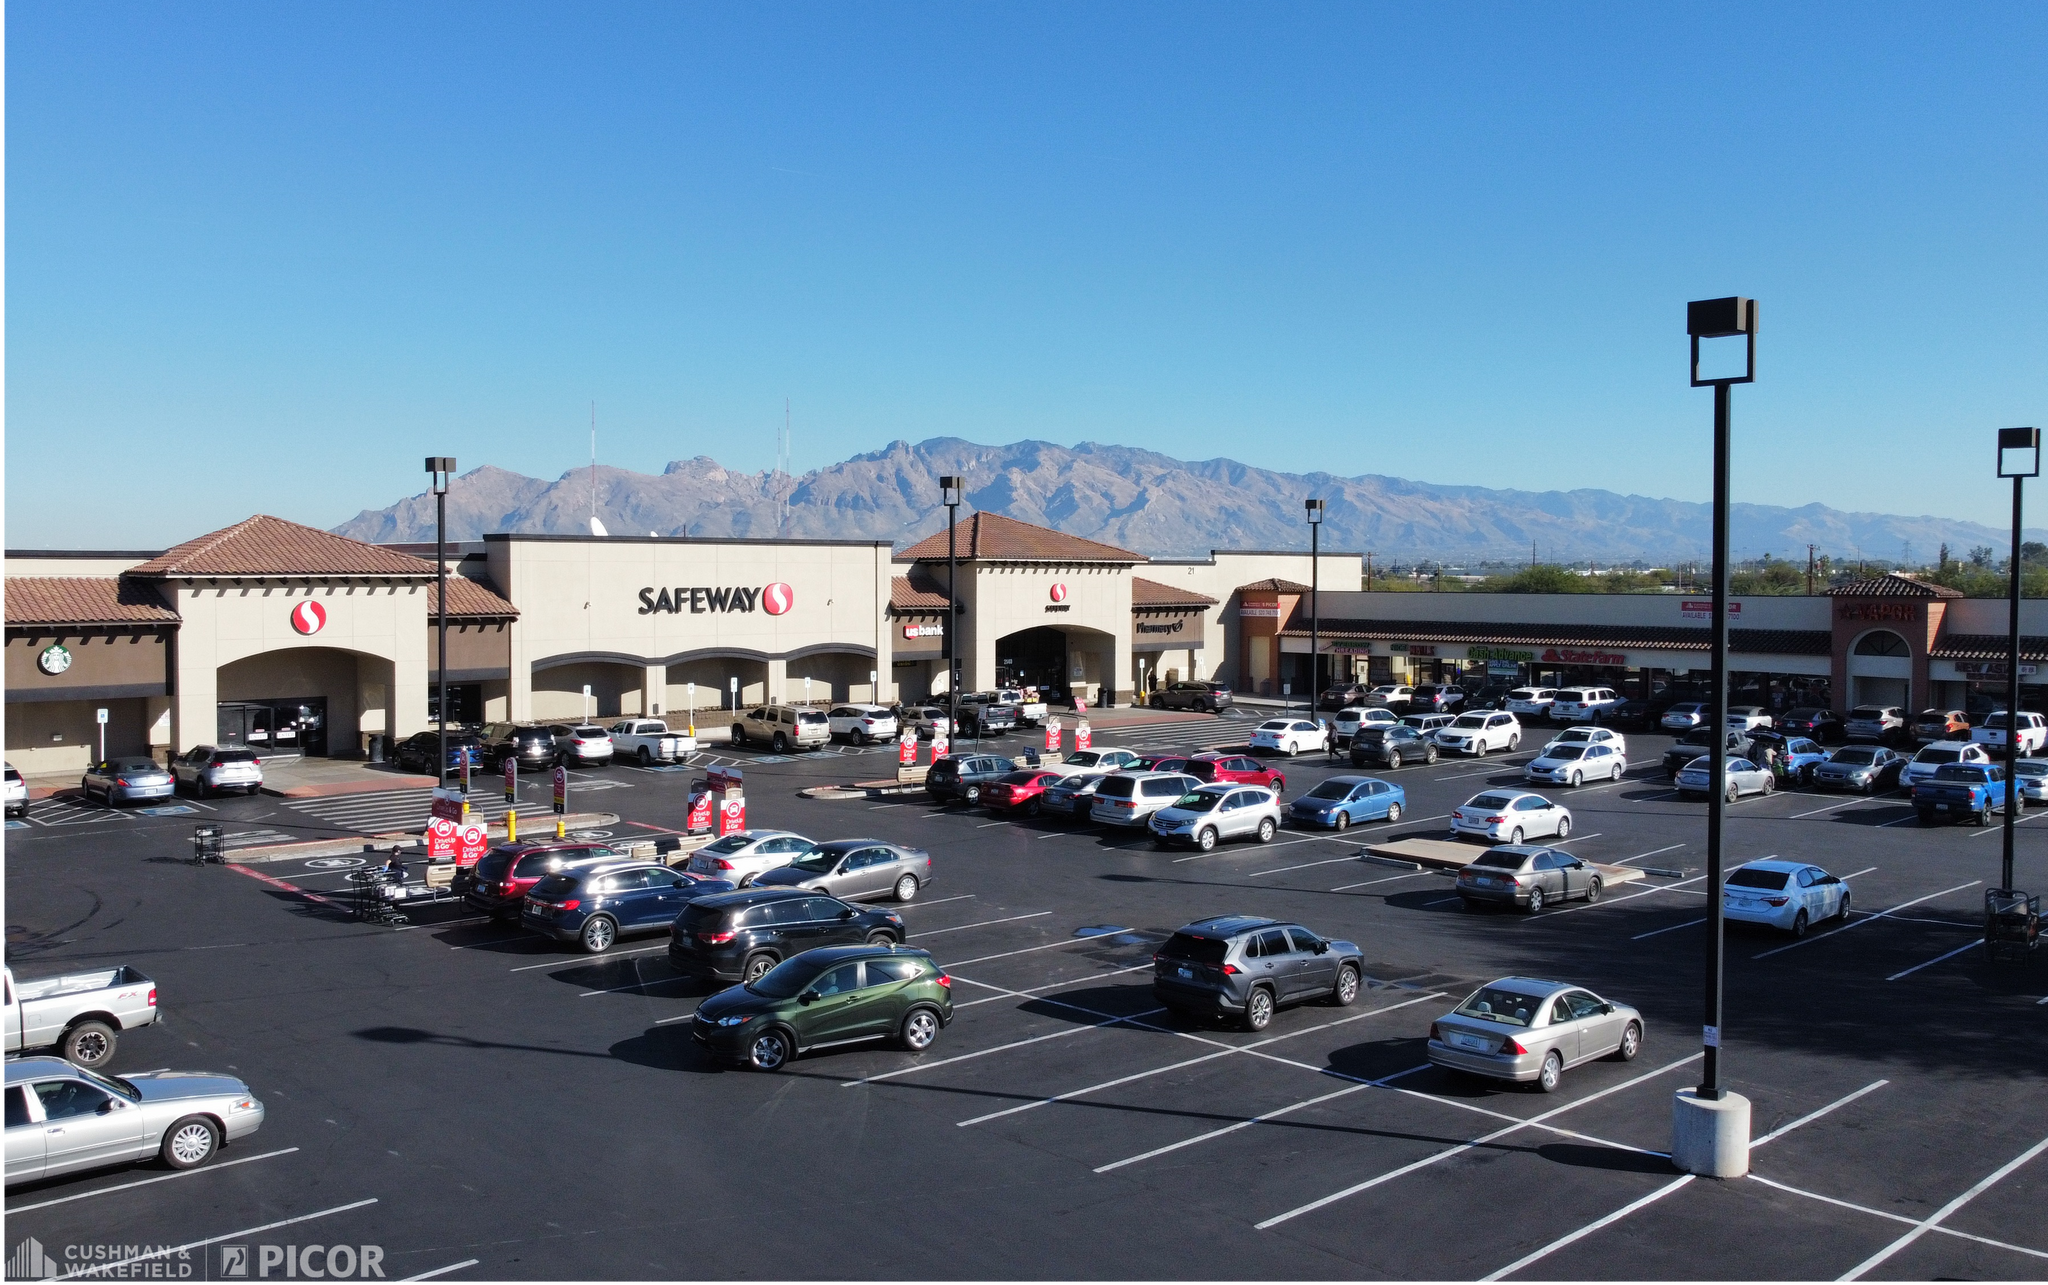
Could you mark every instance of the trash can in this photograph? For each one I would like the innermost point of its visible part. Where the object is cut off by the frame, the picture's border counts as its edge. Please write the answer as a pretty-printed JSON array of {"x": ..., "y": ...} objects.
[{"x": 377, "y": 750}]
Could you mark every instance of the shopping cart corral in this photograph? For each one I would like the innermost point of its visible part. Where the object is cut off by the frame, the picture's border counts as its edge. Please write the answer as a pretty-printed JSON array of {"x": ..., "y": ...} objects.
[{"x": 388, "y": 893}]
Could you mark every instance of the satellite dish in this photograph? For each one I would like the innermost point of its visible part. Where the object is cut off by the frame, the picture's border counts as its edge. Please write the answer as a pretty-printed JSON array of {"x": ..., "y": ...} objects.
[{"x": 597, "y": 527}]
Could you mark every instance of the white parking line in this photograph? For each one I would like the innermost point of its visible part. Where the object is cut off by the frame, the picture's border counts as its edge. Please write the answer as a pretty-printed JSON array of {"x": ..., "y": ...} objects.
[
  {"x": 1327, "y": 861},
  {"x": 1039, "y": 990},
  {"x": 1221, "y": 850},
  {"x": 1994, "y": 829},
  {"x": 1574, "y": 839},
  {"x": 1257, "y": 1119},
  {"x": 1615, "y": 901},
  {"x": 680, "y": 1017},
  {"x": 1000, "y": 1048},
  {"x": 1832, "y": 807},
  {"x": 1933, "y": 1221},
  {"x": 167, "y": 1251},
  {"x": 933, "y": 932},
  {"x": 940, "y": 901},
  {"x": 1389, "y": 879},
  {"x": 588, "y": 959},
  {"x": 1897, "y": 1218},
  {"x": 439, "y": 1271},
  {"x": 1672, "y": 929},
  {"x": 990, "y": 825},
  {"x": 982, "y": 959},
  {"x": 1857, "y": 923},
  {"x": 1936, "y": 960},
  {"x": 1669, "y": 847},
  {"x": 144, "y": 1182}
]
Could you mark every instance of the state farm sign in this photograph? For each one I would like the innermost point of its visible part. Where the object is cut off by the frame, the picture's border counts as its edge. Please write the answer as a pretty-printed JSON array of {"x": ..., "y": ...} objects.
[{"x": 1567, "y": 656}]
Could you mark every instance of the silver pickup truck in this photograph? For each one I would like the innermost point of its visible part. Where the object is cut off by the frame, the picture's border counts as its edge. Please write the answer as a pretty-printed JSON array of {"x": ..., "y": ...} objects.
[{"x": 81, "y": 1015}]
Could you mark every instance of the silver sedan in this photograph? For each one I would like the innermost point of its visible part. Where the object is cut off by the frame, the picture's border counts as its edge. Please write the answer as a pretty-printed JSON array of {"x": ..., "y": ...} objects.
[
  {"x": 62, "y": 1119},
  {"x": 1525, "y": 1030},
  {"x": 851, "y": 869},
  {"x": 1744, "y": 777},
  {"x": 746, "y": 856}
]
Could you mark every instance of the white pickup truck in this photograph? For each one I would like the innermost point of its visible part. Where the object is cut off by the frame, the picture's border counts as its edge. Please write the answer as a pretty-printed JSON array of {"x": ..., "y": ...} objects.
[
  {"x": 648, "y": 740},
  {"x": 1031, "y": 710},
  {"x": 81, "y": 1015}
]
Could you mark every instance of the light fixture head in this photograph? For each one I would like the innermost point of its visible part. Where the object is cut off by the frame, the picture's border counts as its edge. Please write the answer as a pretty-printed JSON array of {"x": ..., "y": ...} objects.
[
  {"x": 1315, "y": 511},
  {"x": 442, "y": 467},
  {"x": 2019, "y": 452},
  {"x": 1722, "y": 319},
  {"x": 950, "y": 487}
]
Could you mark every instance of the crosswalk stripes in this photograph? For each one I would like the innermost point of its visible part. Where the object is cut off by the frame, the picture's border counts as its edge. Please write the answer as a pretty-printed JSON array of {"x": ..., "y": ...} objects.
[{"x": 390, "y": 810}]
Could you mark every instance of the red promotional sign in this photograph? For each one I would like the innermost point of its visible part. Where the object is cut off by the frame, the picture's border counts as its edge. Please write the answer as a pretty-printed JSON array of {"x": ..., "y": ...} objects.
[
  {"x": 447, "y": 804},
  {"x": 1080, "y": 706},
  {"x": 308, "y": 617},
  {"x": 441, "y": 839},
  {"x": 1083, "y": 738},
  {"x": 701, "y": 804},
  {"x": 725, "y": 778},
  {"x": 732, "y": 815},
  {"x": 561, "y": 789},
  {"x": 906, "y": 749},
  {"x": 939, "y": 746},
  {"x": 471, "y": 841},
  {"x": 1052, "y": 736}
]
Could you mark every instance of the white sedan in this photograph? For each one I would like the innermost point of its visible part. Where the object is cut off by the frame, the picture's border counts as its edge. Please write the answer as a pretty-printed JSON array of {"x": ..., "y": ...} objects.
[
  {"x": 1590, "y": 736},
  {"x": 1744, "y": 777},
  {"x": 1479, "y": 733},
  {"x": 1093, "y": 762},
  {"x": 1348, "y": 721},
  {"x": 1288, "y": 736},
  {"x": 1684, "y": 717},
  {"x": 1784, "y": 894},
  {"x": 1510, "y": 818},
  {"x": 1572, "y": 763}
]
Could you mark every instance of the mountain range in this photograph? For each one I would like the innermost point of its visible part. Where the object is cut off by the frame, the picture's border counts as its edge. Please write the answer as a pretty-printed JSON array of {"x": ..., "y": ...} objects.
[{"x": 1153, "y": 504}]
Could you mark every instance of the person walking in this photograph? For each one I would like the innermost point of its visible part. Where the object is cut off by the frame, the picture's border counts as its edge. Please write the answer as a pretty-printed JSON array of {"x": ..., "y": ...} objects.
[{"x": 1329, "y": 742}]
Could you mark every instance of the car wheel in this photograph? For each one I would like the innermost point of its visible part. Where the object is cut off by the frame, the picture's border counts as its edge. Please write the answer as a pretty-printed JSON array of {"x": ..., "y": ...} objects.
[
  {"x": 1266, "y": 830},
  {"x": 1984, "y": 816},
  {"x": 1515, "y": 835},
  {"x": 1564, "y": 827},
  {"x": 190, "y": 1142},
  {"x": 88, "y": 1044},
  {"x": 781, "y": 743},
  {"x": 1514, "y": 743},
  {"x": 881, "y": 937},
  {"x": 1342, "y": 821},
  {"x": 1279, "y": 784},
  {"x": 646, "y": 758},
  {"x": 920, "y": 1030},
  {"x": 1631, "y": 1043},
  {"x": 1429, "y": 756},
  {"x": 598, "y": 935},
  {"x": 1206, "y": 840},
  {"x": 1479, "y": 748},
  {"x": 1394, "y": 761},
  {"x": 1552, "y": 1073},
  {"x": 1158, "y": 702},
  {"x": 1535, "y": 900},
  {"x": 1032, "y": 808},
  {"x": 1576, "y": 781},
  {"x": 1770, "y": 785},
  {"x": 1615, "y": 775},
  {"x": 739, "y": 734},
  {"x": 1593, "y": 890},
  {"x": 1393, "y": 812},
  {"x": 768, "y": 1052},
  {"x": 757, "y": 967},
  {"x": 906, "y": 888},
  {"x": 1734, "y": 794},
  {"x": 1346, "y": 990},
  {"x": 1258, "y": 1009}
]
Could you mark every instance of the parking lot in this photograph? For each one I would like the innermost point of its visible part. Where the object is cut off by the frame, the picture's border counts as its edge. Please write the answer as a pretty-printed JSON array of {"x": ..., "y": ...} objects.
[{"x": 481, "y": 1103}]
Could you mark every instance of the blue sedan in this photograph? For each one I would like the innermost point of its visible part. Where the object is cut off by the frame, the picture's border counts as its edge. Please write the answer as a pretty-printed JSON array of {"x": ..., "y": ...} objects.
[{"x": 1342, "y": 800}]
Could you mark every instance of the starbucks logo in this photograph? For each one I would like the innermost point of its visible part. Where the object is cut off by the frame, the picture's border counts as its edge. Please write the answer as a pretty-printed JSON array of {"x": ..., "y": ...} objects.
[{"x": 55, "y": 659}]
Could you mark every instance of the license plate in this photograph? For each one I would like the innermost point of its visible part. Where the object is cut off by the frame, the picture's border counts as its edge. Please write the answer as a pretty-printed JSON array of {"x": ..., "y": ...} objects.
[
  {"x": 1477, "y": 1043},
  {"x": 1941, "y": 807},
  {"x": 1185, "y": 972}
]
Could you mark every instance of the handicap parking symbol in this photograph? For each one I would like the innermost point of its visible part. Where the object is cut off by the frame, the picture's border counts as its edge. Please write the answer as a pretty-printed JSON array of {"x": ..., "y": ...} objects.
[
  {"x": 17, "y": 825},
  {"x": 174, "y": 810}
]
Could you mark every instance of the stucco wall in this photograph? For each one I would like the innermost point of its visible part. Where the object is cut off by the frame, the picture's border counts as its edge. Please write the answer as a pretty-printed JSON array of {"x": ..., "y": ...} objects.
[{"x": 63, "y": 736}]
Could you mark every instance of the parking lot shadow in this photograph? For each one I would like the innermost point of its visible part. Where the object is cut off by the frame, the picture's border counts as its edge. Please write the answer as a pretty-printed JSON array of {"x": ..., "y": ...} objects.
[
  {"x": 1585, "y": 1155},
  {"x": 667, "y": 1048},
  {"x": 414, "y": 1035}
]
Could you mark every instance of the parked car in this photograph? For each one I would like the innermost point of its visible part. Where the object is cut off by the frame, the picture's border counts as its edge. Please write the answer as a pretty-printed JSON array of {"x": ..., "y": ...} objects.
[
  {"x": 127, "y": 780},
  {"x": 1437, "y": 698},
  {"x": 1527, "y": 878},
  {"x": 783, "y": 728},
  {"x": 1158, "y": 763},
  {"x": 1237, "y": 769},
  {"x": 16, "y": 793},
  {"x": 1685, "y": 715},
  {"x": 862, "y": 723},
  {"x": 1246, "y": 966},
  {"x": 1095, "y": 761},
  {"x": 1510, "y": 817},
  {"x": 648, "y": 741},
  {"x": 499, "y": 881},
  {"x": 1395, "y": 696},
  {"x": 63, "y": 1119},
  {"x": 746, "y": 856},
  {"x": 1019, "y": 791},
  {"x": 1289, "y": 736},
  {"x": 1748, "y": 718},
  {"x": 965, "y": 776},
  {"x": 1209, "y": 814},
  {"x": 1583, "y": 704},
  {"x": 2032, "y": 734},
  {"x": 1864, "y": 768},
  {"x": 1788, "y": 895},
  {"x": 1823, "y": 725},
  {"x": 210, "y": 770},
  {"x": 1341, "y": 801},
  {"x": 1799, "y": 754},
  {"x": 852, "y": 869},
  {"x": 1479, "y": 733},
  {"x": 1338, "y": 695},
  {"x": 1573, "y": 763},
  {"x": 1392, "y": 745},
  {"x": 1072, "y": 796},
  {"x": 1975, "y": 790},
  {"x": 1525, "y": 1030},
  {"x": 1697, "y": 742},
  {"x": 1531, "y": 702},
  {"x": 1941, "y": 725},
  {"x": 1129, "y": 798},
  {"x": 1696, "y": 779},
  {"x": 1209, "y": 698},
  {"x": 530, "y": 745},
  {"x": 740, "y": 936},
  {"x": 1030, "y": 707},
  {"x": 1491, "y": 696},
  {"x": 1924, "y": 763},
  {"x": 2032, "y": 775},
  {"x": 984, "y": 714},
  {"x": 824, "y": 998},
  {"x": 596, "y": 905},
  {"x": 416, "y": 753},
  {"x": 927, "y": 721},
  {"x": 1884, "y": 724},
  {"x": 1427, "y": 723},
  {"x": 1633, "y": 713},
  {"x": 80, "y": 1015},
  {"x": 1349, "y": 722},
  {"x": 1591, "y": 736},
  {"x": 581, "y": 744}
]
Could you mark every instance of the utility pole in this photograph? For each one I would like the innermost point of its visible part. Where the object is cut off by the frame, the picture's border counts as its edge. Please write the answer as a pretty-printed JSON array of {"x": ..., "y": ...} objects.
[
  {"x": 1811, "y": 549},
  {"x": 1368, "y": 570}
]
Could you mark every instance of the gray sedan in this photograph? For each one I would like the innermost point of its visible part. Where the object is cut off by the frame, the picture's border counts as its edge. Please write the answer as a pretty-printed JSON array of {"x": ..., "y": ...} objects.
[
  {"x": 127, "y": 780},
  {"x": 1744, "y": 777},
  {"x": 61, "y": 1119},
  {"x": 1522, "y": 1029},
  {"x": 854, "y": 868},
  {"x": 746, "y": 856}
]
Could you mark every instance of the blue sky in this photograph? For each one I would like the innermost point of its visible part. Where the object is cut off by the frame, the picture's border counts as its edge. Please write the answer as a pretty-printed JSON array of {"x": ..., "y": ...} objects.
[{"x": 265, "y": 257}]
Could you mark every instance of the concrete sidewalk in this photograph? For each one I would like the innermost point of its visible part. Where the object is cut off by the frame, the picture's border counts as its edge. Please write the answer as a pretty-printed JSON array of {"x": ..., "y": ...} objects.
[{"x": 287, "y": 778}]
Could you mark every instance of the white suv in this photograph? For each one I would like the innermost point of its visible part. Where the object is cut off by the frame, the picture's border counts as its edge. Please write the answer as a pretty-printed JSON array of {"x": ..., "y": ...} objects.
[
  {"x": 1531, "y": 702},
  {"x": 1583, "y": 704},
  {"x": 785, "y": 727},
  {"x": 1479, "y": 733},
  {"x": 2033, "y": 731},
  {"x": 863, "y": 723},
  {"x": 1935, "y": 755}
]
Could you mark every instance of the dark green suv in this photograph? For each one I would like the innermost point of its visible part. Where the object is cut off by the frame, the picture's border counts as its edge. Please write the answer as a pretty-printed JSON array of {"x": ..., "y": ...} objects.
[{"x": 824, "y": 997}]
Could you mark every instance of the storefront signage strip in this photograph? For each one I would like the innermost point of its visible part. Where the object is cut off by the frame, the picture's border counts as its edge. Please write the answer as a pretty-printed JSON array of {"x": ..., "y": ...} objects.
[
  {"x": 1174, "y": 628},
  {"x": 1500, "y": 653},
  {"x": 1259, "y": 613},
  {"x": 1899, "y": 611},
  {"x": 924, "y": 631},
  {"x": 1565, "y": 656},
  {"x": 697, "y": 599}
]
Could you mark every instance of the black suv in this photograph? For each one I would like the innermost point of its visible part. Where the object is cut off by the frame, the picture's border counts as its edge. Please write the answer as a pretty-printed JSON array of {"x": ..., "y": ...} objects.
[
  {"x": 1391, "y": 745},
  {"x": 416, "y": 753},
  {"x": 739, "y": 936},
  {"x": 1700, "y": 741},
  {"x": 1209, "y": 697},
  {"x": 532, "y": 744},
  {"x": 962, "y": 776},
  {"x": 1245, "y": 966}
]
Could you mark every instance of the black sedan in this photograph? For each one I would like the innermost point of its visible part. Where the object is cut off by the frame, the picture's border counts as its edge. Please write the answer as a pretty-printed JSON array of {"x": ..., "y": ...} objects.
[
  {"x": 1390, "y": 745},
  {"x": 1342, "y": 696},
  {"x": 1823, "y": 725},
  {"x": 416, "y": 753}
]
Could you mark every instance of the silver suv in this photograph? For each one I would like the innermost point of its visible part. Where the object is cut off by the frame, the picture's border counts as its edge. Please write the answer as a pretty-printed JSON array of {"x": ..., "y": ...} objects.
[
  {"x": 1130, "y": 799},
  {"x": 1213, "y": 813},
  {"x": 785, "y": 727},
  {"x": 1244, "y": 966},
  {"x": 208, "y": 769}
]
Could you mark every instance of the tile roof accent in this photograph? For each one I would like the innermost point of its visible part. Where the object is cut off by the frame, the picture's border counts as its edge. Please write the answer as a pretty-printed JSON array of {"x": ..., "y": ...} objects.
[
  {"x": 470, "y": 599},
  {"x": 267, "y": 546},
  {"x": 1893, "y": 584},
  {"x": 84, "y": 600},
  {"x": 991, "y": 537},
  {"x": 1950, "y": 647},
  {"x": 1797, "y": 642},
  {"x": 1150, "y": 593},
  {"x": 1273, "y": 584},
  {"x": 917, "y": 592}
]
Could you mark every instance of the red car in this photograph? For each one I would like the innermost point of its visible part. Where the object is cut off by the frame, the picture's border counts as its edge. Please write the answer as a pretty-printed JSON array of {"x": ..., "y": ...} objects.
[
  {"x": 1235, "y": 769},
  {"x": 1018, "y": 791},
  {"x": 498, "y": 883},
  {"x": 1161, "y": 763}
]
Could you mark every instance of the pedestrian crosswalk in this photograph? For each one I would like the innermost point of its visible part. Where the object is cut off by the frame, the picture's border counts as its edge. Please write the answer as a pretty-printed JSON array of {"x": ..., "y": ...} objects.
[{"x": 391, "y": 811}]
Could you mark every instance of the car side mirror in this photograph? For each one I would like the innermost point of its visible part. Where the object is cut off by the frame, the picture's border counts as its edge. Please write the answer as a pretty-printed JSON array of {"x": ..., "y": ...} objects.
[
  {"x": 110, "y": 1106},
  {"x": 1606, "y": 1008},
  {"x": 808, "y": 997},
  {"x": 1322, "y": 948},
  {"x": 847, "y": 913}
]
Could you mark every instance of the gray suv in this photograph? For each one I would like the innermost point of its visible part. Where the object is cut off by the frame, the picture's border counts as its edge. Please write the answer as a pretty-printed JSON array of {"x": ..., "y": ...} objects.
[
  {"x": 1244, "y": 967},
  {"x": 962, "y": 776}
]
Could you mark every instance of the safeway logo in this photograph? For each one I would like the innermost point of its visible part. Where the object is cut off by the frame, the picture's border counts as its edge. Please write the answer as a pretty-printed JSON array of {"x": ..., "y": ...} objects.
[
  {"x": 308, "y": 617},
  {"x": 777, "y": 599},
  {"x": 1059, "y": 593}
]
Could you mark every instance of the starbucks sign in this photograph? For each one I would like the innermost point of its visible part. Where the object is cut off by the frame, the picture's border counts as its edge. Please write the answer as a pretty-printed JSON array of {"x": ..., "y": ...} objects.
[{"x": 55, "y": 659}]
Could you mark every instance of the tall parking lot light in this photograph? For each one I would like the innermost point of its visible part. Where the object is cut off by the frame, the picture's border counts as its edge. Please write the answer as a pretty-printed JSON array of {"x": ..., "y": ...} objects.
[
  {"x": 2019, "y": 458},
  {"x": 1710, "y": 1125},
  {"x": 950, "y": 488},
  {"x": 1315, "y": 603},
  {"x": 441, "y": 468}
]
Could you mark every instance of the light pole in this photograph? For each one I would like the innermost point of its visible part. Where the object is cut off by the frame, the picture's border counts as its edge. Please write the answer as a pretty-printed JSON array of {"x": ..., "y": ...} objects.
[
  {"x": 2019, "y": 458},
  {"x": 1710, "y": 1126},
  {"x": 441, "y": 467},
  {"x": 1315, "y": 603},
  {"x": 949, "y": 495}
]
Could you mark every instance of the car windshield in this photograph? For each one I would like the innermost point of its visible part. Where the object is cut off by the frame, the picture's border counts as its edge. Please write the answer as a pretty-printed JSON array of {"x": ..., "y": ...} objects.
[
  {"x": 1275, "y": 725},
  {"x": 2031, "y": 768},
  {"x": 1198, "y": 801},
  {"x": 1020, "y": 778},
  {"x": 1939, "y": 754},
  {"x": 586, "y": 730},
  {"x": 786, "y": 980},
  {"x": 554, "y": 886},
  {"x": 1084, "y": 758},
  {"x": 1491, "y": 801},
  {"x": 1871, "y": 713},
  {"x": 1996, "y": 720},
  {"x": 1338, "y": 790},
  {"x": 1564, "y": 752},
  {"x": 1963, "y": 772},
  {"x": 817, "y": 861},
  {"x": 111, "y": 1083},
  {"x": 1855, "y": 757},
  {"x": 1492, "y": 1004},
  {"x": 1807, "y": 715},
  {"x": 234, "y": 756},
  {"x": 1750, "y": 877},
  {"x": 1469, "y": 720}
]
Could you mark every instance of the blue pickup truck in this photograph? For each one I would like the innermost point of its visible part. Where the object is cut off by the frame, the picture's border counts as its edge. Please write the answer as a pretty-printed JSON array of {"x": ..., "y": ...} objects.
[{"x": 1974, "y": 790}]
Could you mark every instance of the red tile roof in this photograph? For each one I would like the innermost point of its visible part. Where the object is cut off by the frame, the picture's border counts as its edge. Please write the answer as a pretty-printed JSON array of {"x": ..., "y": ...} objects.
[
  {"x": 916, "y": 593},
  {"x": 469, "y": 599},
  {"x": 1150, "y": 593},
  {"x": 991, "y": 537},
  {"x": 267, "y": 546},
  {"x": 1796, "y": 642},
  {"x": 2033, "y": 647},
  {"x": 1893, "y": 584},
  {"x": 84, "y": 600},
  {"x": 1273, "y": 584}
]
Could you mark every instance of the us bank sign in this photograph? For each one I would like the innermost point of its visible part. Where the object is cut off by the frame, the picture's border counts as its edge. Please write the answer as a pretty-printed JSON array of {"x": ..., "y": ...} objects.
[{"x": 775, "y": 599}]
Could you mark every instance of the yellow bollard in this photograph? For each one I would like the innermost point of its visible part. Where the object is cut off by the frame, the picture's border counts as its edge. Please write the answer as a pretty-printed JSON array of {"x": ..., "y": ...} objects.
[
  {"x": 561, "y": 828},
  {"x": 512, "y": 827}
]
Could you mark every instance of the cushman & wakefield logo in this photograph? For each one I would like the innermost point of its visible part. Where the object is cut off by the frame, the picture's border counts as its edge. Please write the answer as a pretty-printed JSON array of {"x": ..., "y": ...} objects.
[
  {"x": 30, "y": 1261},
  {"x": 775, "y": 599}
]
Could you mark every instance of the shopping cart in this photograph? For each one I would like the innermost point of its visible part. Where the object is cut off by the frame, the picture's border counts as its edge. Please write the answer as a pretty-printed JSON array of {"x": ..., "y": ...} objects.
[{"x": 2012, "y": 924}]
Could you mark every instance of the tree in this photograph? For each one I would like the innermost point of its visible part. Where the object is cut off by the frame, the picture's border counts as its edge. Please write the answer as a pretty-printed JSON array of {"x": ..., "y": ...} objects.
[
  {"x": 1941, "y": 561},
  {"x": 1980, "y": 555}
]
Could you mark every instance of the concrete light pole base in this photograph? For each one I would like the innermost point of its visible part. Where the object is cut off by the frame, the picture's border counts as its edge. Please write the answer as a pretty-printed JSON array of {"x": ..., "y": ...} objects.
[{"x": 1708, "y": 1138}]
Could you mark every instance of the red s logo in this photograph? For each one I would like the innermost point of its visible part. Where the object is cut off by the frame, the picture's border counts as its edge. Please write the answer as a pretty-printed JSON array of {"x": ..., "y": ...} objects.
[
  {"x": 1059, "y": 593},
  {"x": 777, "y": 598},
  {"x": 308, "y": 617}
]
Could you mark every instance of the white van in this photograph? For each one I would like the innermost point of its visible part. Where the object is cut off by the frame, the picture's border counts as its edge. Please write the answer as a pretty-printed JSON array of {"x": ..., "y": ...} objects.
[{"x": 1583, "y": 704}]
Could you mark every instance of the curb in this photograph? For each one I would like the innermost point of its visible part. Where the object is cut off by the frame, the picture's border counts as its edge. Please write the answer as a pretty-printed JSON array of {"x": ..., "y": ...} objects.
[{"x": 360, "y": 843}]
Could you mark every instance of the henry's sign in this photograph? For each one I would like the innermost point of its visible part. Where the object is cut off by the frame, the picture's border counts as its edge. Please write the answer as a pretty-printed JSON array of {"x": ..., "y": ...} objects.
[{"x": 775, "y": 599}]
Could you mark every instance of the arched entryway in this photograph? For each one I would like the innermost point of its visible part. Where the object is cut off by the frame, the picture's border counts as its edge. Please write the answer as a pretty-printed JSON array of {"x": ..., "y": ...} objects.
[
  {"x": 1880, "y": 669},
  {"x": 1059, "y": 662},
  {"x": 313, "y": 702}
]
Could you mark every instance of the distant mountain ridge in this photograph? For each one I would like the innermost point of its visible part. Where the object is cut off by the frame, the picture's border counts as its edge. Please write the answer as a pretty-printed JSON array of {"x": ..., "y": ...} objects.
[{"x": 1151, "y": 503}]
